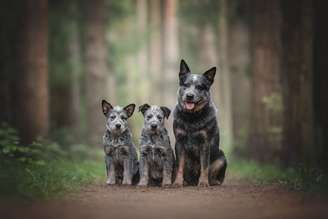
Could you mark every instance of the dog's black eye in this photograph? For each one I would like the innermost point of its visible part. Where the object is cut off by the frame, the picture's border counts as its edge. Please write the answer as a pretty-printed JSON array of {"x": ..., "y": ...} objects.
[
  {"x": 112, "y": 117},
  {"x": 149, "y": 117},
  {"x": 159, "y": 117},
  {"x": 123, "y": 118},
  {"x": 186, "y": 85},
  {"x": 201, "y": 87}
]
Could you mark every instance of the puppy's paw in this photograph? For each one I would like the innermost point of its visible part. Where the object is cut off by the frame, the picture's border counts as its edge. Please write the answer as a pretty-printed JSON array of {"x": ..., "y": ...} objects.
[
  {"x": 126, "y": 182},
  {"x": 143, "y": 183},
  {"x": 110, "y": 182},
  {"x": 167, "y": 184}
]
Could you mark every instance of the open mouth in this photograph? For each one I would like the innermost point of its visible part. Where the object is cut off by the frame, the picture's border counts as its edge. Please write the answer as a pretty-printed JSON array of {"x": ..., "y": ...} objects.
[{"x": 189, "y": 105}]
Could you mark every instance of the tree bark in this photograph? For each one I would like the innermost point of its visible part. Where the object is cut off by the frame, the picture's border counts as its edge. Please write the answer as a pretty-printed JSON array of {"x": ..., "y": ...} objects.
[
  {"x": 239, "y": 58},
  {"x": 170, "y": 57},
  {"x": 142, "y": 53},
  {"x": 96, "y": 69},
  {"x": 170, "y": 51},
  {"x": 321, "y": 82},
  {"x": 74, "y": 51},
  {"x": 297, "y": 82},
  {"x": 265, "y": 128},
  {"x": 155, "y": 50},
  {"x": 32, "y": 116},
  {"x": 224, "y": 79}
]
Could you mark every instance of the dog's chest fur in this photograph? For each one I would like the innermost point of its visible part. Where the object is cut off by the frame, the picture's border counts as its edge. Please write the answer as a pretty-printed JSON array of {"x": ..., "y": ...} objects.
[
  {"x": 118, "y": 147},
  {"x": 194, "y": 130},
  {"x": 155, "y": 139}
]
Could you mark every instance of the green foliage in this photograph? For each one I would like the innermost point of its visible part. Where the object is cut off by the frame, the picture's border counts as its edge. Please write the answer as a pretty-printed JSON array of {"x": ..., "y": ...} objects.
[
  {"x": 299, "y": 178},
  {"x": 44, "y": 170}
]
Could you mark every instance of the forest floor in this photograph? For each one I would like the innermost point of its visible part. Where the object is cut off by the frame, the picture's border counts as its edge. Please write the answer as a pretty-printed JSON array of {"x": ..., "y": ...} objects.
[{"x": 234, "y": 199}]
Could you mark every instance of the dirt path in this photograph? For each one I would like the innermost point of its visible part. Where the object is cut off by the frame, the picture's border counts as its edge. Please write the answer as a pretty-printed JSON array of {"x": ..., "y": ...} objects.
[{"x": 235, "y": 199}]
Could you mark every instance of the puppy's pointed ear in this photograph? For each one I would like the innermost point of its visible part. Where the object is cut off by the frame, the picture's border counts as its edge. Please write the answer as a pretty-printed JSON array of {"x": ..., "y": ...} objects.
[
  {"x": 184, "y": 69},
  {"x": 210, "y": 74},
  {"x": 166, "y": 111},
  {"x": 129, "y": 109},
  {"x": 143, "y": 108},
  {"x": 106, "y": 107}
]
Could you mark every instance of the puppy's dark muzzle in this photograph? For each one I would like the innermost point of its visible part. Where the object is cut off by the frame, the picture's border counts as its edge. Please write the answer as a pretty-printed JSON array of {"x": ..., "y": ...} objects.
[{"x": 153, "y": 126}]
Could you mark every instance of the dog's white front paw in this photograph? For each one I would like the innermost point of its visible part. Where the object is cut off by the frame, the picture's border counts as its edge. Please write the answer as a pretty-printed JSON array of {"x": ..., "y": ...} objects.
[{"x": 110, "y": 182}]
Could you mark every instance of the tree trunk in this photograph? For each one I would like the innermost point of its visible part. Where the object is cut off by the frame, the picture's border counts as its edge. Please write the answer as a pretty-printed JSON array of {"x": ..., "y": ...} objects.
[
  {"x": 265, "y": 127},
  {"x": 321, "y": 82},
  {"x": 170, "y": 51},
  {"x": 170, "y": 57},
  {"x": 74, "y": 51},
  {"x": 224, "y": 79},
  {"x": 297, "y": 82},
  {"x": 142, "y": 53},
  {"x": 239, "y": 58},
  {"x": 32, "y": 84},
  {"x": 96, "y": 69},
  {"x": 155, "y": 50}
]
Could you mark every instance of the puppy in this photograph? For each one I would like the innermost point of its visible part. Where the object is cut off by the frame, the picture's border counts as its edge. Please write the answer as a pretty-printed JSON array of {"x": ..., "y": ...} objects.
[
  {"x": 199, "y": 159},
  {"x": 120, "y": 153},
  {"x": 156, "y": 154}
]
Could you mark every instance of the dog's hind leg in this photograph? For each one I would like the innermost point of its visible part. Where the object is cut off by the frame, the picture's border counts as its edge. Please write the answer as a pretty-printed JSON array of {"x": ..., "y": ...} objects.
[{"x": 217, "y": 170}]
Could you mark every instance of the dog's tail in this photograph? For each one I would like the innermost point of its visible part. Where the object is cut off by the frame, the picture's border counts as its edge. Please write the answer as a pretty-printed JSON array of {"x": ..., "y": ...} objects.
[{"x": 222, "y": 171}]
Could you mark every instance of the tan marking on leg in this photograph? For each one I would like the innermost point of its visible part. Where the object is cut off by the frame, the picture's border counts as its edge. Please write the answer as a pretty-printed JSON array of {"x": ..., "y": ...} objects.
[
  {"x": 179, "y": 178},
  {"x": 215, "y": 168}
]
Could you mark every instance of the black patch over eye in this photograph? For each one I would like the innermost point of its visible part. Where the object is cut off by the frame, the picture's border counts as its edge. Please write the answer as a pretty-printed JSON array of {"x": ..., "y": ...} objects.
[
  {"x": 112, "y": 117},
  {"x": 201, "y": 87},
  {"x": 159, "y": 117},
  {"x": 149, "y": 117},
  {"x": 183, "y": 83},
  {"x": 123, "y": 117}
]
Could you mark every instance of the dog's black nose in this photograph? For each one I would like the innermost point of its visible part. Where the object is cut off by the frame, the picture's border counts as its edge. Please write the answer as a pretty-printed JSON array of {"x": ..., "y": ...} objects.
[
  {"x": 153, "y": 126},
  {"x": 190, "y": 96},
  {"x": 118, "y": 126}
]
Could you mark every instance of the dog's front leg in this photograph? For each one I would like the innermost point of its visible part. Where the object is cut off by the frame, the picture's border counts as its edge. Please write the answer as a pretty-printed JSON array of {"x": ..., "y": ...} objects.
[
  {"x": 127, "y": 172},
  {"x": 204, "y": 162},
  {"x": 168, "y": 169},
  {"x": 144, "y": 171},
  {"x": 111, "y": 173},
  {"x": 125, "y": 154},
  {"x": 180, "y": 153}
]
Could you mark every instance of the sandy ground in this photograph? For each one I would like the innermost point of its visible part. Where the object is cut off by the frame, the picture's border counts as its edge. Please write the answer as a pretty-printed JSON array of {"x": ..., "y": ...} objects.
[{"x": 234, "y": 199}]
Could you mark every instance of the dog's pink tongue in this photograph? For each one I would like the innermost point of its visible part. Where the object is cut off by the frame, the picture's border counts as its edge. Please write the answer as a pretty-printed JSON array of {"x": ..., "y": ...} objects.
[{"x": 190, "y": 106}]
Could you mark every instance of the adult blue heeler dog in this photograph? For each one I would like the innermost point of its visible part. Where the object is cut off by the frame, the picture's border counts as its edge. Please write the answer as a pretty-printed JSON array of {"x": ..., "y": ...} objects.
[
  {"x": 199, "y": 159},
  {"x": 120, "y": 152}
]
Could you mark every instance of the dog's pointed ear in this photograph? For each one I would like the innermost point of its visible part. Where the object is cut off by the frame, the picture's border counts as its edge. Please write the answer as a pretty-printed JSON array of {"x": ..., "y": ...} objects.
[
  {"x": 129, "y": 109},
  {"x": 210, "y": 74},
  {"x": 143, "y": 108},
  {"x": 106, "y": 107},
  {"x": 184, "y": 69},
  {"x": 166, "y": 111}
]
